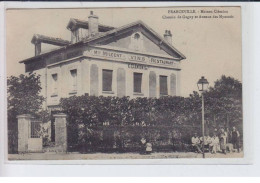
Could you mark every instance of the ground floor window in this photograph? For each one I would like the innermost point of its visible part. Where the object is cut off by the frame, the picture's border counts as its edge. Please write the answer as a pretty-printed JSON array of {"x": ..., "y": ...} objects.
[
  {"x": 137, "y": 82},
  {"x": 107, "y": 79},
  {"x": 163, "y": 85}
]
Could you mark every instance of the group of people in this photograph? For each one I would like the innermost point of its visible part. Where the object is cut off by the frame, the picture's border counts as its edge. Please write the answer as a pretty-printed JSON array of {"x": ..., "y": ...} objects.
[
  {"x": 215, "y": 143},
  {"x": 218, "y": 142}
]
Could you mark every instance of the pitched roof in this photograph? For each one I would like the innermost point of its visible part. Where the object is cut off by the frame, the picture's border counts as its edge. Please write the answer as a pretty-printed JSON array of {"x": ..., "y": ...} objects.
[
  {"x": 75, "y": 23},
  {"x": 49, "y": 40},
  {"x": 160, "y": 39},
  {"x": 170, "y": 49}
]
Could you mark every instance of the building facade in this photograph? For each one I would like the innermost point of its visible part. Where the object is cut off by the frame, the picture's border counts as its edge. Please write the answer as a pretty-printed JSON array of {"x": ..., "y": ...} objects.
[{"x": 132, "y": 60}]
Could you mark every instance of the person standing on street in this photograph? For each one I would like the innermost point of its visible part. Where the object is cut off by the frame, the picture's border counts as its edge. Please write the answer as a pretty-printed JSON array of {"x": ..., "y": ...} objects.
[
  {"x": 235, "y": 138},
  {"x": 214, "y": 144},
  {"x": 143, "y": 145},
  {"x": 223, "y": 140}
]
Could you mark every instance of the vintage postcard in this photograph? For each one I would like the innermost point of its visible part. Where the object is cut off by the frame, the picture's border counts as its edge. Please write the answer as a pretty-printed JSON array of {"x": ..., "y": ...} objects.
[{"x": 124, "y": 83}]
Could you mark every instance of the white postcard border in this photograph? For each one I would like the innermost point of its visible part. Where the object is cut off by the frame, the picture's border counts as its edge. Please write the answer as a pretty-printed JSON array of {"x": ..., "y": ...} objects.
[{"x": 248, "y": 86}]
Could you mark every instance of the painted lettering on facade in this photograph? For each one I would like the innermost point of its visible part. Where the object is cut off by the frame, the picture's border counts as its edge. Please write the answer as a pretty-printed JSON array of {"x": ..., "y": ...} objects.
[
  {"x": 107, "y": 54},
  {"x": 160, "y": 61},
  {"x": 137, "y": 58},
  {"x": 133, "y": 58},
  {"x": 137, "y": 66}
]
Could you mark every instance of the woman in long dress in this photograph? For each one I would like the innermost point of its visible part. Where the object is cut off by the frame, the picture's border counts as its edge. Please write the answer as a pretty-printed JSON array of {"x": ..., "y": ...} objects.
[{"x": 223, "y": 140}]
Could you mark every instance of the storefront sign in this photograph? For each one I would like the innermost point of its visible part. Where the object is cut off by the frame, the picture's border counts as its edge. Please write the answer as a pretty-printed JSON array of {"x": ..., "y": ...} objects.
[
  {"x": 107, "y": 54},
  {"x": 137, "y": 66},
  {"x": 133, "y": 58},
  {"x": 137, "y": 58}
]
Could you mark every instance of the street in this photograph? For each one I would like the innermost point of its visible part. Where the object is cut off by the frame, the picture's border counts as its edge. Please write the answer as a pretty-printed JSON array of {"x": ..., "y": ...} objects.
[{"x": 102, "y": 156}]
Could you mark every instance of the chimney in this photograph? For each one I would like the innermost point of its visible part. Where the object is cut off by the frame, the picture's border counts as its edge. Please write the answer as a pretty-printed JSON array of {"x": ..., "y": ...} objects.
[
  {"x": 92, "y": 24},
  {"x": 168, "y": 36}
]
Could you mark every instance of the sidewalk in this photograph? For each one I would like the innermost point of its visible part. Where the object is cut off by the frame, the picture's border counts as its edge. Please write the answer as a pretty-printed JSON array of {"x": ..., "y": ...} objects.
[{"x": 102, "y": 156}]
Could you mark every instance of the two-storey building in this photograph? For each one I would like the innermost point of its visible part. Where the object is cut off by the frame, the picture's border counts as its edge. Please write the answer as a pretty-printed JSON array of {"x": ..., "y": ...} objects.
[{"x": 131, "y": 60}]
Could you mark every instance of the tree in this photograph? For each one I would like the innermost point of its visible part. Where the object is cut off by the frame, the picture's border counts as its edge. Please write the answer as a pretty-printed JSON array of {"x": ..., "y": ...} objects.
[
  {"x": 223, "y": 105},
  {"x": 23, "y": 96},
  {"x": 224, "y": 100}
]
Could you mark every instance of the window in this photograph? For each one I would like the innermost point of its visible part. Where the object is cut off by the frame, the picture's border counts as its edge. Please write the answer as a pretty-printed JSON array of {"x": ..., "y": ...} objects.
[
  {"x": 107, "y": 80},
  {"x": 136, "y": 42},
  {"x": 136, "y": 36},
  {"x": 137, "y": 82},
  {"x": 54, "y": 84},
  {"x": 73, "y": 74},
  {"x": 163, "y": 85}
]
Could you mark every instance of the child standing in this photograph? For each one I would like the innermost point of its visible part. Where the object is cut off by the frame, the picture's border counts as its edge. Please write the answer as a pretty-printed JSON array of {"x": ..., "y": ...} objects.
[{"x": 148, "y": 148}]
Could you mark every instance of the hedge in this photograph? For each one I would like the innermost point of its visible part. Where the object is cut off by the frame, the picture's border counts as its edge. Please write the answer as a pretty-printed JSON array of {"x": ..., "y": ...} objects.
[
  {"x": 117, "y": 124},
  {"x": 95, "y": 122}
]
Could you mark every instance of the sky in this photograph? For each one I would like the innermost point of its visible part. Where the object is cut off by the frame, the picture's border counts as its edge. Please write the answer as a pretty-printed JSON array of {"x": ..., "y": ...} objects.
[{"x": 212, "y": 46}]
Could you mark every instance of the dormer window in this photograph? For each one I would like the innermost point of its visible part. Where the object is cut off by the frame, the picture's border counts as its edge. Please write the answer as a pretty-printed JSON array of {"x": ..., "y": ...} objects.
[{"x": 137, "y": 42}]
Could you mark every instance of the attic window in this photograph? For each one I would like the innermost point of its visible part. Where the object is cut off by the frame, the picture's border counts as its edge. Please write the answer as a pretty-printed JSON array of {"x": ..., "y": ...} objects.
[
  {"x": 136, "y": 42},
  {"x": 136, "y": 36}
]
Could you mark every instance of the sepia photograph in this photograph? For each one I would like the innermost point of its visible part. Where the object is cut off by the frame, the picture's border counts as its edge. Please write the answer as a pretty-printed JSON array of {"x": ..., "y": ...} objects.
[{"x": 124, "y": 83}]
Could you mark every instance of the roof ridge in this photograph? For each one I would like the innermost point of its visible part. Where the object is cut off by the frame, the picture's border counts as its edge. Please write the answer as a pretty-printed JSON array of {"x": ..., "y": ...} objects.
[
  {"x": 76, "y": 20},
  {"x": 48, "y": 38}
]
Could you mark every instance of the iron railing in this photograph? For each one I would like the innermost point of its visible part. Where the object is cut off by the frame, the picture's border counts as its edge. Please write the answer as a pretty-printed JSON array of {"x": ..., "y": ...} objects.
[{"x": 35, "y": 129}]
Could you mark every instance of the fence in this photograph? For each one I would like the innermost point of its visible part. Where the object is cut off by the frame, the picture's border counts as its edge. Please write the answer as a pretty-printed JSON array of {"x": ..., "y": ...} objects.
[
  {"x": 35, "y": 129},
  {"x": 128, "y": 138}
]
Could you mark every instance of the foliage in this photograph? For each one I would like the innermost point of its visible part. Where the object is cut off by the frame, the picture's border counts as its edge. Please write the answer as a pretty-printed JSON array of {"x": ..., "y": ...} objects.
[
  {"x": 112, "y": 122},
  {"x": 86, "y": 113},
  {"x": 23, "y": 98},
  {"x": 43, "y": 115},
  {"x": 224, "y": 100},
  {"x": 223, "y": 107},
  {"x": 97, "y": 111},
  {"x": 24, "y": 94}
]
